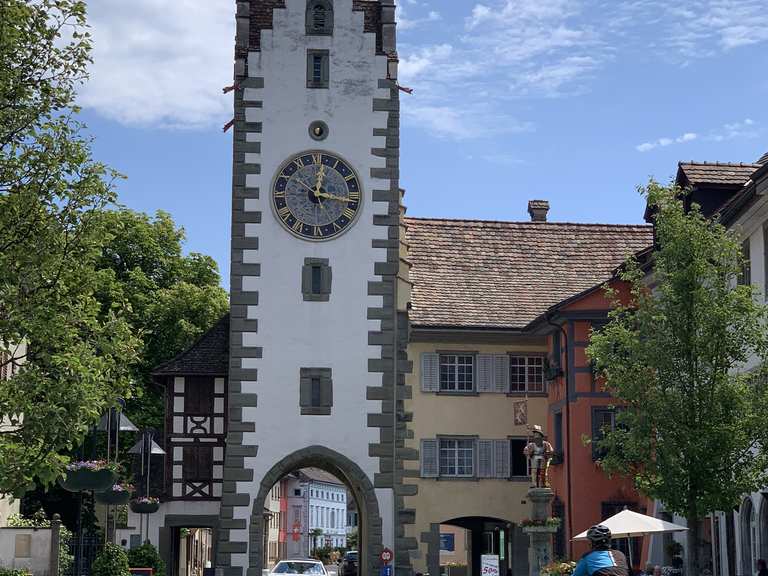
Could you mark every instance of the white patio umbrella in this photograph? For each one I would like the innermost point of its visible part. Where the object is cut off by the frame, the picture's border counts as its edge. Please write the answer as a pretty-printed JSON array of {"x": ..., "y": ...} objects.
[{"x": 628, "y": 524}]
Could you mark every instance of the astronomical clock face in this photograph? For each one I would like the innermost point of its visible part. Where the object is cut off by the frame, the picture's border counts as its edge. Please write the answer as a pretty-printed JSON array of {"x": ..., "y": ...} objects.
[{"x": 316, "y": 196}]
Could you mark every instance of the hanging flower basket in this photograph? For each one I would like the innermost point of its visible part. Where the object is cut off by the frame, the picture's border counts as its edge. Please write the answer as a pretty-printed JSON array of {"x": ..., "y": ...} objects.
[
  {"x": 145, "y": 505},
  {"x": 117, "y": 495},
  {"x": 95, "y": 475}
]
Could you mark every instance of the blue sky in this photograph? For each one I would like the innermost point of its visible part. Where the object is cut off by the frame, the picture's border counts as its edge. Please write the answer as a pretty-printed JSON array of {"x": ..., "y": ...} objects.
[{"x": 573, "y": 101}]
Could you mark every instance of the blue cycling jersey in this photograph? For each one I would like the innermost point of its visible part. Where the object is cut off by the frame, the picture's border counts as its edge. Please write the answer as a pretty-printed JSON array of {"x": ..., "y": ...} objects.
[{"x": 602, "y": 563}]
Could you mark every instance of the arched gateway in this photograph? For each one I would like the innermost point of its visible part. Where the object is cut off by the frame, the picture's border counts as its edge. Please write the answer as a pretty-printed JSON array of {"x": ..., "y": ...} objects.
[{"x": 344, "y": 469}]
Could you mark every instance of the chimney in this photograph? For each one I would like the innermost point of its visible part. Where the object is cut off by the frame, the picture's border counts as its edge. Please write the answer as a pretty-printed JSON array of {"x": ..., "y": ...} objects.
[{"x": 538, "y": 210}]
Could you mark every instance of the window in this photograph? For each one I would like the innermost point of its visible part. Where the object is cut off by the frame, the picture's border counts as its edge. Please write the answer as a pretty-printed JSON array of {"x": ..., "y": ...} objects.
[
  {"x": 316, "y": 279},
  {"x": 197, "y": 463},
  {"x": 558, "y": 430},
  {"x": 456, "y": 372},
  {"x": 526, "y": 374},
  {"x": 315, "y": 391},
  {"x": 297, "y": 492},
  {"x": 603, "y": 420},
  {"x": 518, "y": 461},
  {"x": 319, "y": 17},
  {"x": 198, "y": 395},
  {"x": 457, "y": 457},
  {"x": 318, "y": 65},
  {"x": 745, "y": 278}
]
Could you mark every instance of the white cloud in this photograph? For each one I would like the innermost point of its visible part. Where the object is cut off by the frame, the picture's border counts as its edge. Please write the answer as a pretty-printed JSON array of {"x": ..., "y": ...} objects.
[
  {"x": 161, "y": 63},
  {"x": 746, "y": 128},
  {"x": 471, "y": 122},
  {"x": 406, "y": 23},
  {"x": 743, "y": 129},
  {"x": 510, "y": 49},
  {"x": 664, "y": 142}
]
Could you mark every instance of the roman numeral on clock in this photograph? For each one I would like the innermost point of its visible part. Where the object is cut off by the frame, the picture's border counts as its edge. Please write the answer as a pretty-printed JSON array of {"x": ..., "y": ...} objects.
[
  {"x": 349, "y": 213},
  {"x": 284, "y": 212}
]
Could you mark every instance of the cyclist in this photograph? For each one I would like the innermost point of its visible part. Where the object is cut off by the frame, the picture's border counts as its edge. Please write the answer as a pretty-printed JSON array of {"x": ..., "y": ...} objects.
[{"x": 601, "y": 560}]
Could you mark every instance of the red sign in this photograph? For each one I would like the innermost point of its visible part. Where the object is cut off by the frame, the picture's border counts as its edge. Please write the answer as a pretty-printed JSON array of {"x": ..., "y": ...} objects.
[
  {"x": 386, "y": 556},
  {"x": 296, "y": 532}
]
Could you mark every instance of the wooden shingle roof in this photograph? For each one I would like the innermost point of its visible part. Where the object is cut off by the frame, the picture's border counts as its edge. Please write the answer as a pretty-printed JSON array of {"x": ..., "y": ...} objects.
[
  {"x": 716, "y": 173},
  {"x": 208, "y": 356},
  {"x": 503, "y": 275}
]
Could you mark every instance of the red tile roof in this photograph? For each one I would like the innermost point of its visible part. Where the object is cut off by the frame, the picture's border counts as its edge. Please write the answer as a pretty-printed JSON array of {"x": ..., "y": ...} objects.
[
  {"x": 722, "y": 173},
  {"x": 503, "y": 275}
]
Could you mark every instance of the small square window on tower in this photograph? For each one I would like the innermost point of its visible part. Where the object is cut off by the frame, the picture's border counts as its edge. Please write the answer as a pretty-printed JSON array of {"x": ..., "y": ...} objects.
[
  {"x": 319, "y": 17},
  {"x": 318, "y": 68},
  {"x": 316, "y": 278},
  {"x": 315, "y": 391}
]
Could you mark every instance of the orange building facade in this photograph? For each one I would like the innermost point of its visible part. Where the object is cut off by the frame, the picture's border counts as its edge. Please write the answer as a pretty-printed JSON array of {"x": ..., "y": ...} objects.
[{"x": 579, "y": 410}]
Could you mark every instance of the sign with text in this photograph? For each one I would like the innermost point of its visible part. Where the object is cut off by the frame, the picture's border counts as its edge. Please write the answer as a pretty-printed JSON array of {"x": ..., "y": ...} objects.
[
  {"x": 386, "y": 556},
  {"x": 489, "y": 565},
  {"x": 447, "y": 542}
]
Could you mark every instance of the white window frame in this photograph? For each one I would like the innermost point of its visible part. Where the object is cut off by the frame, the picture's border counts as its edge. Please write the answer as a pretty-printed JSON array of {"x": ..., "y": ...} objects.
[
  {"x": 529, "y": 362},
  {"x": 443, "y": 445},
  {"x": 453, "y": 365}
]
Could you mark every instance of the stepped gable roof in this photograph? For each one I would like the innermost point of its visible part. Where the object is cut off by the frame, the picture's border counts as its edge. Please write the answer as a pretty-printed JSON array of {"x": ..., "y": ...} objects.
[
  {"x": 763, "y": 159},
  {"x": 503, "y": 275},
  {"x": 318, "y": 475},
  {"x": 208, "y": 356},
  {"x": 715, "y": 173}
]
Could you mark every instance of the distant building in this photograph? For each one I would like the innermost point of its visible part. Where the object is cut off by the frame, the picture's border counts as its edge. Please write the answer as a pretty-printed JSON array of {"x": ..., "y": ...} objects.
[{"x": 327, "y": 508}]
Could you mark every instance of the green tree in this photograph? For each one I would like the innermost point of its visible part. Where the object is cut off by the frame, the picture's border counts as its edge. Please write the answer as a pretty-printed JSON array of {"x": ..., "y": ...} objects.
[
  {"x": 70, "y": 355},
  {"x": 693, "y": 433},
  {"x": 171, "y": 298}
]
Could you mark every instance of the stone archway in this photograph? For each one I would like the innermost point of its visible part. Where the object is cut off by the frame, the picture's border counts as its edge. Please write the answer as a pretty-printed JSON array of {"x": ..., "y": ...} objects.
[{"x": 370, "y": 527}]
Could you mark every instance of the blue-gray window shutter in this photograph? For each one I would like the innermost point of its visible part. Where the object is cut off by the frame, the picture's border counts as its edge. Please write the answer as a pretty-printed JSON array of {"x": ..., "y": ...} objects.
[
  {"x": 501, "y": 373},
  {"x": 428, "y": 456},
  {"x": 500, "y": 458},
  {"x": 484, "y": 373},
  {"x": 430, "y": 372},
  {"x": 485, "y": 459}
]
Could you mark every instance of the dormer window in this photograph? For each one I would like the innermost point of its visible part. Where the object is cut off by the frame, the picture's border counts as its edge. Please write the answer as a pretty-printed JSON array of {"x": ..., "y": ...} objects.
[{"x": 319, "y": 17}]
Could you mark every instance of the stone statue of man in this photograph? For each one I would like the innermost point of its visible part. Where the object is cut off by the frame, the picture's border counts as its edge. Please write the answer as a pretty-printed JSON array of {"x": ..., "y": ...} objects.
[{"x": 539, "y": 453}]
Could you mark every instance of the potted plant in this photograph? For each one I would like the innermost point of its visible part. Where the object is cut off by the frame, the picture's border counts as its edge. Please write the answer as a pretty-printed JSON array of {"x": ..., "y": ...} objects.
[
  {"x": 83, "y": 475},
  {"x": 118, "y": 494},
  {"x": 145, "y": 505}
]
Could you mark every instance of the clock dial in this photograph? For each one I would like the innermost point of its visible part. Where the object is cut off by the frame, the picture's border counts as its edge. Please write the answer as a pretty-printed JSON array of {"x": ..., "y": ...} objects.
[{"x": 316, "y": 195}]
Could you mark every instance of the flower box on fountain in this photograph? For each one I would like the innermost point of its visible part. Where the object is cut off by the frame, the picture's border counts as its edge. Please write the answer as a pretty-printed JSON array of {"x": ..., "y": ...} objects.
[{"x": 548, "y": 525}]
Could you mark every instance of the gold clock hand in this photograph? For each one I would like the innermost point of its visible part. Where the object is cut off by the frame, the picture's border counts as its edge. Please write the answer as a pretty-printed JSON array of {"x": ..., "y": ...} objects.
[
  {"x": 320, "y": 177},
  {"x": 333, "y": 197},
  {"x": 307, "y": 186}
]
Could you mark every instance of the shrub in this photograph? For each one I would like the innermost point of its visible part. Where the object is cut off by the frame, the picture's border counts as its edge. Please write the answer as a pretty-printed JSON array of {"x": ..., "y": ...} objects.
[
  {"x": 111, "y": 561},
  {"x": 12, "y": 572},
  {"x": 146, "y": 556}
]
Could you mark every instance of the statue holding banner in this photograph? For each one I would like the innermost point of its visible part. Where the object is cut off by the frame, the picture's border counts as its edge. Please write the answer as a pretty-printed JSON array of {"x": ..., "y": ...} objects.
[{"x": 539, "y": 453}]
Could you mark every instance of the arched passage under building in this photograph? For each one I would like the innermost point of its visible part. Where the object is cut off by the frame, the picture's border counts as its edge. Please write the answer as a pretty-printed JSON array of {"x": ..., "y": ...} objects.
[
  {"x": 358, "y": 484},
  {"x": 484, "y": 535}
]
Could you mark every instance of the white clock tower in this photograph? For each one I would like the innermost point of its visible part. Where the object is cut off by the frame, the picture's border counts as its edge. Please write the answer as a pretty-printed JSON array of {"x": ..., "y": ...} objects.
[{"x": 318, "y": 329}]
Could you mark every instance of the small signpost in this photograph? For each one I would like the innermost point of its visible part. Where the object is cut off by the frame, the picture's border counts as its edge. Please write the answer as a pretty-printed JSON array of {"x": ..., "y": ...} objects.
[
  {"x": 489, "y": 565},
  {"x": 386, "y": 558}
]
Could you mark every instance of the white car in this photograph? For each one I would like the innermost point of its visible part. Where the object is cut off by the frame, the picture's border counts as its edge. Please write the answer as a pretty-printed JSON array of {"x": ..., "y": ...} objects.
[{"x": 289, "y": 567}]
